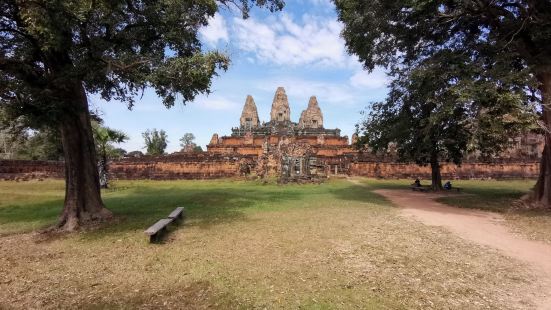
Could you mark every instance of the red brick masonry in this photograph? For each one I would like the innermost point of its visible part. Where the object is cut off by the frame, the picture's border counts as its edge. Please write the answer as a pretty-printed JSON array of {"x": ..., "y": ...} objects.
[{"x": 210, "y": 166}]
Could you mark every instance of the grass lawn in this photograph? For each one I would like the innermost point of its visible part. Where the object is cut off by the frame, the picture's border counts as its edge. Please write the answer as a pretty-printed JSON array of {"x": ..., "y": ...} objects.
[{"x": 247, "y": 245}]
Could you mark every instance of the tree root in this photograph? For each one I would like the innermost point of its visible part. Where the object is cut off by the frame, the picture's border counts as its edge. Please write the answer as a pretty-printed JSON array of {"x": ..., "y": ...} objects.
[{"x": 71, "y": 223}]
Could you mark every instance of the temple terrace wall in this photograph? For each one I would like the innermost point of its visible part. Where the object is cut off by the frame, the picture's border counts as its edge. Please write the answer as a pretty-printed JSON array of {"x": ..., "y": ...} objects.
[
  {"x": 209, "y": 166},
  {"x": 510, "y": 170},
  {"x": 31, "y": 169}
]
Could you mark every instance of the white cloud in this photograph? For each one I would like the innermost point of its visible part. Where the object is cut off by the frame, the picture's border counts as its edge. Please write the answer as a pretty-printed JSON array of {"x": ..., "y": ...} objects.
[
  {"x": 215, "y": 31},
  {"x": 376, "y": 79},
  {"x": 313, "y": 40}
]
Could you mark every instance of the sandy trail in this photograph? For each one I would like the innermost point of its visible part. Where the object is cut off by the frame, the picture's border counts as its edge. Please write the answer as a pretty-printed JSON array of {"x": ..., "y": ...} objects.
[{"x": 481, "y": 227}]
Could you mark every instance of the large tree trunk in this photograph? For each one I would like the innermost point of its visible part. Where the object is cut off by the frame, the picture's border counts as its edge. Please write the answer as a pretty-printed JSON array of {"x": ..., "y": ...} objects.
[
  {"x": 542, "y": 190},
  {"x": 82, "y": 190},
  {"x": 436, "y": 177}
]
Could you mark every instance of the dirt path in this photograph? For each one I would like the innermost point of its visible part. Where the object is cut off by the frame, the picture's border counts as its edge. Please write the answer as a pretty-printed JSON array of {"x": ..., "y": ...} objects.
[{"x": 481, "y": 227}]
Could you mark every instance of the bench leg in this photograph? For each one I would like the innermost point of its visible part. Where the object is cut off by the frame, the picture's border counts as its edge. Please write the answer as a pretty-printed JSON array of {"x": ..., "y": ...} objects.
[{"x": 155, "y": 238}]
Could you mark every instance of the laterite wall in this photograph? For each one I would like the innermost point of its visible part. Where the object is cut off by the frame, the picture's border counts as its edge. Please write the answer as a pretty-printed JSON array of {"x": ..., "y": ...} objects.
[
  {"x": 210, "y": 166},
  {"x": 511, "y": 170},
  {"x": 31, "y": 169}
]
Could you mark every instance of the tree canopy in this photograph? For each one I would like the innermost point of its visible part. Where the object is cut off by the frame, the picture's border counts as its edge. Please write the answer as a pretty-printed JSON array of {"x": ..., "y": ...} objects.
[
  {"x": 156, "y": 141},
  {"x": 187, "y": 140},
  {"x": 429, "y": 120},
  {"x": 502, "y": 37},
  {"x": 53, "y": 53}
]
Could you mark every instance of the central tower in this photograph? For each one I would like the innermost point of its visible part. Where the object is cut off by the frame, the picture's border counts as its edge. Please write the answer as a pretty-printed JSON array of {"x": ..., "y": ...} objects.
[{"x": 281, "y": 113}]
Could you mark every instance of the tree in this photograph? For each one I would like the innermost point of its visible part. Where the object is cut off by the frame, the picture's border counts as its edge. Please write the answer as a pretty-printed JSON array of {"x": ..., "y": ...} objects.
[
  {"x": 398, "y": 33},
  {"x": 18, "y": 142},
  {"x": 155, "y": 141},
  {"x": 104, "y": 138},
  {"x": 431, "y": 120},
  {"x": 53, "y": 53},
  {"x": 118, "y": 152},
  {"x": 188, "y": 145},
  {"x": 197, "y": 148},
  {"x": 187, "y": 140},
  {"x": 135, "y": 154},
  {"x": 42, "y": 145}
]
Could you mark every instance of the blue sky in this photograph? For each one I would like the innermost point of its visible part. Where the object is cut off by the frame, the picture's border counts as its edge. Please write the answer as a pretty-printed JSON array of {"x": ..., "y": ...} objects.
[{"x": 299, "y": 48}]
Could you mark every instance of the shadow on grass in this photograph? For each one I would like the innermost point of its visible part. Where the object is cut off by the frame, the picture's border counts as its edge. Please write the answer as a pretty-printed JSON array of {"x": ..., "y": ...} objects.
[
  {"x": 140, "y": 207},
  {"x": 493, "y": 199},
  {"x": 44, "y": 213},
  {"x": 359, "y": 193},
  {"x": 207, "y": 204},
  {"x": 203, "y": 207}
]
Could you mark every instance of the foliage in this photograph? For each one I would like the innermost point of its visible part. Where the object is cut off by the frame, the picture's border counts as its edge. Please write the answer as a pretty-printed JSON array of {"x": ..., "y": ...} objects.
[
  {"x": 43, "y": 145},
  {"x": 115, "y": 48},
  {"x": 105, "y": 137},
  {"x": 21, "y": 143},
  {"x": 118, "y": 152},
  {"x": 503, "y": 44},
  {"x": 155, "y": 141},
  {"x": 197, "y": 148},
  {"x": 395, "y": 32},
  {"x": 439, "y": 113},
  {"x": 188, "y": 145},
  {"x": 136, "y": 154},
  {"x": 187, "y": 140}
]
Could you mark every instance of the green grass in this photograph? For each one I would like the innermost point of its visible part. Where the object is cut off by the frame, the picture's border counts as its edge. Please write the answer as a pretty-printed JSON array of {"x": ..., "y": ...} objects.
[
  {"x": 33, "y": 205},
  {"x": 26, "y": 206},
  {"x": 495, "y": 196},
  {"x": 245, "y": 245}
]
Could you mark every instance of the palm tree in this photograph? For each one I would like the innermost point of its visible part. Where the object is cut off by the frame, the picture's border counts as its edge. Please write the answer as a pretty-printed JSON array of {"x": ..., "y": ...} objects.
[{"x": 104, "y": 137}]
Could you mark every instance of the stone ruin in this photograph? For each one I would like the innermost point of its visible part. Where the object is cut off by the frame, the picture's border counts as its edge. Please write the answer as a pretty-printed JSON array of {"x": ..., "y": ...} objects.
[
  {"x": 311, "y": 117},
  {"x": 284, "y": 149},
  {"x": 249, "y": 116}
]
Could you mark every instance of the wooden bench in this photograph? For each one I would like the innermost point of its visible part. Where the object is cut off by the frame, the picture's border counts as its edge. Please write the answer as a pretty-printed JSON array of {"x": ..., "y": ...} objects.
[
  {"x": 156, "y": 230},
  {"x": 177, "y": 214}
]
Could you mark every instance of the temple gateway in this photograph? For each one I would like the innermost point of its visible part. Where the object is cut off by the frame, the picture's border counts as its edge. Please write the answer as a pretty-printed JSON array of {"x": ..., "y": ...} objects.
[{"x": 282, "y": 147}]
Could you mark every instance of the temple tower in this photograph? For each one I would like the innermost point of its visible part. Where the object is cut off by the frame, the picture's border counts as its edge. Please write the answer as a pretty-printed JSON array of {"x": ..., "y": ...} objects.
[
  {"x": 249, "y": 116},
  {"x": 280, "y": 107},
  {"x": 312, "y": 116}
]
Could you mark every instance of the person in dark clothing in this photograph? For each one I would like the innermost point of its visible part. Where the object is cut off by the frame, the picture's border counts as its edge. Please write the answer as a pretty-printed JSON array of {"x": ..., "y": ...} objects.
[
  {"x": 448, "y": 185},
  {"x": 417, "y": 183}
]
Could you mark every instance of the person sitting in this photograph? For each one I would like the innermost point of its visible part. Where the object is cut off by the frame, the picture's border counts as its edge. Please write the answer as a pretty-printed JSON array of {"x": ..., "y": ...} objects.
[
  {"x": 417, "y": 183},
  {"x": 448, "y": 185}
]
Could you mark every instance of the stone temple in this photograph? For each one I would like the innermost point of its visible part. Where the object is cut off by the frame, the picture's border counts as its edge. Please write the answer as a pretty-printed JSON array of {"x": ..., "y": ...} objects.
[
  {"x": 283, "y": 147},
  {"x": 310, "y": 123}
]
